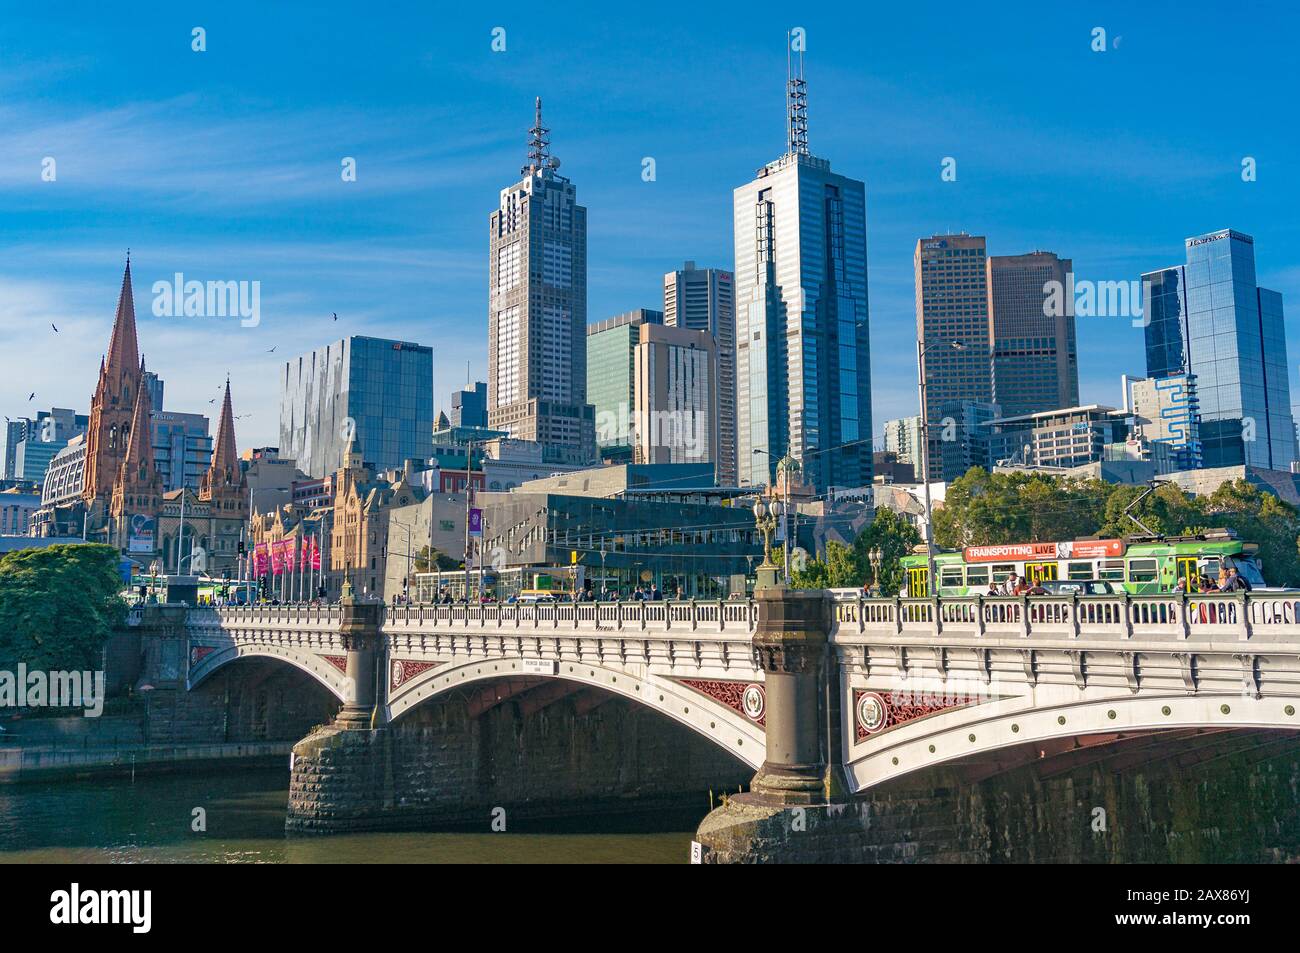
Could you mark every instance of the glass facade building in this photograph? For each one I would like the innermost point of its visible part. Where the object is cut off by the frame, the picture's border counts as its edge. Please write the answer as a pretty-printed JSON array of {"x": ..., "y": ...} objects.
[
  {"x": 803, "y": 354},
  {"x": 376, "y": 391},
  {"x": 1208, "y": 318},
  {"x": 611, "y": 358}
]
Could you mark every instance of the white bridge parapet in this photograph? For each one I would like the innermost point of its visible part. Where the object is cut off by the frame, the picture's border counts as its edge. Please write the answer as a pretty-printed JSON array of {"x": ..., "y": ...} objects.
[{"x": 928, "y": 681}]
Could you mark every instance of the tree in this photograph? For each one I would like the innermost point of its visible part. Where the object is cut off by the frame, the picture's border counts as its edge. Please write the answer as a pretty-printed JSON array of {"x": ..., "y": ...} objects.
[
  {"x": 895, "y": 536},
  {"x": 983, "y": 508},
  {"x": 58, "y": 606},
  {"x": 1261, "y": 518},
  {"x": 439, "y": 560}
]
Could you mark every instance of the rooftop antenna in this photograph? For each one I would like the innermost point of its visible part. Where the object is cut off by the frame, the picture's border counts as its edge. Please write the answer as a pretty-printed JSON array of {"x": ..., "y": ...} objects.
[
  {"x": 796, "y": 101},
  {"x": 539, "y": 154}
]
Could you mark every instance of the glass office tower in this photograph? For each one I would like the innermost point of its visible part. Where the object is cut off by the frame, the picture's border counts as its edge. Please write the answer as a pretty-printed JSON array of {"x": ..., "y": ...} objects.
[
  {"x": 803, "y": 375},
  {"x": 376, "y": 390},
  {"x": 1208, "y": 318}
]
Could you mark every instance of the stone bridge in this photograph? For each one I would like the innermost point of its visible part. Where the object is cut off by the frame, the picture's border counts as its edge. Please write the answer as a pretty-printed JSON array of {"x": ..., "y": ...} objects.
[{"x": 830, "y": 696}]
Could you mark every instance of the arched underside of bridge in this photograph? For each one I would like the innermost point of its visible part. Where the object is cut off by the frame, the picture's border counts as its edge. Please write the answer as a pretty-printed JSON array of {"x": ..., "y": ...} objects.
[
  {"x": 1050, "y": 723},
  {"x": 522, "y": 745},
  {"x": 258, "y": 698},
  {"x": 325, "y": 670},
  {"x": 486, "y": 683}
]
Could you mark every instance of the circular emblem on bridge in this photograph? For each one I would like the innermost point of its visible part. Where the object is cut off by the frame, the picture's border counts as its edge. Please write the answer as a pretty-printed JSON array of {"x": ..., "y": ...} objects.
[
  {"x": 754, "y": 701},
  {"x": 871, "y": 712}
]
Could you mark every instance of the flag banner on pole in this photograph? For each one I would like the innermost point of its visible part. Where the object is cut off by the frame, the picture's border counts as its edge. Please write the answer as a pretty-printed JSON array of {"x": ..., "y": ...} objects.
[
  {"x": 259, "y": 559},
  {"x": 291, "y": 554},
  {"x": 315, "y": 553},
  {"x": 277, "y": 557}
]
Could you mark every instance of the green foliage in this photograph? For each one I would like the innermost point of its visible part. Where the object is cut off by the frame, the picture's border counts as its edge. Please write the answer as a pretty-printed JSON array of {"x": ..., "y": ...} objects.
[
  {"x": 894, "y": 535},
  {"x": 439, "y": 560},
  {"x": 988, "y": 508},
  {"x": 850, "y": 566},
  {"x": 58, "y": 606}
]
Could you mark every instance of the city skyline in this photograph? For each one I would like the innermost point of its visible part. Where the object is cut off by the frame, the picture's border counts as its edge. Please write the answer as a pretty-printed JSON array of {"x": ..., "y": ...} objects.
[{"x": 279, "y": 214}]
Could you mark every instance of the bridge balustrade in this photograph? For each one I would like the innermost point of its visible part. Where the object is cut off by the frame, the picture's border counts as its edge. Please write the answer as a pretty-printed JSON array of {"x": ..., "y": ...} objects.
[
  {"x": 582, "y": 615},
  {"x": 1121, "y": 616}
]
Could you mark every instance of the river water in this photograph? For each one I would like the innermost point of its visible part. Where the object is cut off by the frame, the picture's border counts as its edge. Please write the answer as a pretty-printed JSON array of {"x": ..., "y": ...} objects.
[{"x": 149, "y": 820}]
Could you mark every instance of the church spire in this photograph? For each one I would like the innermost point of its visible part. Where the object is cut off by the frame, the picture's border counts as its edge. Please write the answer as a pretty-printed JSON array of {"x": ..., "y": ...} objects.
[
  {"x": 123, "y": 349},
  {"x": 223, "y": 471},
  {"x": 224, "y": 456},
  {"x": 139, "y": 447}
]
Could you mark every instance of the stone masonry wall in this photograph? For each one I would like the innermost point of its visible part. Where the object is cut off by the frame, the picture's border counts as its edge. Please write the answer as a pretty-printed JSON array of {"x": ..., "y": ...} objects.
[
  {"x": 1233, "y": 809},
  {"x": 439, "y": 767}
]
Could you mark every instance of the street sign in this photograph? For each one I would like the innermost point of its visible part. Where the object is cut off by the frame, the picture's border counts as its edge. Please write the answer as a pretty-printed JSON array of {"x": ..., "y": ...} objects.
[{"x": 539, "y": 666}]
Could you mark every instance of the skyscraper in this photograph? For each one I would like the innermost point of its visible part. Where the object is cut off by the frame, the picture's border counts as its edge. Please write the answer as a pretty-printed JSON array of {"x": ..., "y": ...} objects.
[
  {"x": 537, "y": 309},
  {"x": 469, "y": 406},
  {"x": 1209, "y": 319},
  {"x": 611, "y": 375},
  {"x": 803, "y": 375},
  {"x": 1035, "y": 357},
  {"x": 372, "y": 390},
  {"x": 676, "y": 396},
  {"x": 704, "y": 299},
  {"x": 952, "y": 305}
]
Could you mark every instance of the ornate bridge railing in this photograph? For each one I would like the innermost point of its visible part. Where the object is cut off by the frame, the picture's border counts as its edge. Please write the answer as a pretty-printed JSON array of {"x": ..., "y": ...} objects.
[
  {"x": 1264, "y": 616},
  {"x": 729, "y": 618}
]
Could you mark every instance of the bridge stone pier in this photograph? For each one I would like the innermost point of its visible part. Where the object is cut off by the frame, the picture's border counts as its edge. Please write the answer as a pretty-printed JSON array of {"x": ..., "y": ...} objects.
[{"x": 1074, "y": 729}]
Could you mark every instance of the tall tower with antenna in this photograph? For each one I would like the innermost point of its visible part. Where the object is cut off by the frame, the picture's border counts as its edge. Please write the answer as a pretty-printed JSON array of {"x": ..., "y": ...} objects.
[
  {"x": 537, "y": 309},
  {"x": 796, "y": 101},
  {"x": 803, "y": 357}
]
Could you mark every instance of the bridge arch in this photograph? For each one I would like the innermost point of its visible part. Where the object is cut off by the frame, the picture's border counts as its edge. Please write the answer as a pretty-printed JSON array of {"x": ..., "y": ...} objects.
[
  {"x": 326, "y": 670},
  {"x": 726, "y": 728},
  {"x": 1038, "y": 725}
]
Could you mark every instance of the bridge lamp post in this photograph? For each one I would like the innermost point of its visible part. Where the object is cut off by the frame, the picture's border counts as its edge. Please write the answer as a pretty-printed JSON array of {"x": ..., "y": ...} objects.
[
  {"x": 765, "y": 520},
  {"x": 786, "y": 465},
  {"x": 876, "y": 557},
  {"x": 921, "y": 351}
]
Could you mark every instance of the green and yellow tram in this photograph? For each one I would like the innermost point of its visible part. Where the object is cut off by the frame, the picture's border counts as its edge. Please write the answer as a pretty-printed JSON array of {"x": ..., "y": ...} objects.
[{"x": 1139, "y": 565}]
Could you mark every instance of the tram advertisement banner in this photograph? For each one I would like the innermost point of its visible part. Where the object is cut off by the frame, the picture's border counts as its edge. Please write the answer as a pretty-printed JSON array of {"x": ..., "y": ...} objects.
[{"x": 1016, "y": 552}]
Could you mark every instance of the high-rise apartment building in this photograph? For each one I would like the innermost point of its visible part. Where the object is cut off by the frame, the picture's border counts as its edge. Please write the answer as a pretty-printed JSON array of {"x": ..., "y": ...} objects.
[
  {"x": 952, "y": 306},
  {"x": 1166, "y": 410},
  {"x": 704, "y": 299},
  {"x": 374, "y": 391},
  {"x": 676, "y": 396},
  {"x": 611, "y": 374},
  {"x": 1209, "y": 318},
  {"x": 903, "y": 440},
  {"x": 537, "y": 309},
  {"x": 182, "y": 447},
  {"x": 1031, "y": 333},
  {"x": 803, "y": 375}
]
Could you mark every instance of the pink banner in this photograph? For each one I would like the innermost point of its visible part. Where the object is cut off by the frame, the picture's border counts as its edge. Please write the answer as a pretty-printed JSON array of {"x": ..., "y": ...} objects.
[
  {"x": 291, "y": 554},
  {"x": 259, "y": 559},
  {"x": 277, "y": 557},
  {"x": 315, "y": 552}
]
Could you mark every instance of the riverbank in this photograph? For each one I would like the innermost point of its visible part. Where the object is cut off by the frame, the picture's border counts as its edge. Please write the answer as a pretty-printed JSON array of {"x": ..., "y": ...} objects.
[{"x": 52, "y": 762}]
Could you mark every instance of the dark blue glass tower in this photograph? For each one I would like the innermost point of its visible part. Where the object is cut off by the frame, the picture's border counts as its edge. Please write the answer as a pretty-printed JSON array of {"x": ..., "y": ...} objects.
[{"x": 1209, "y": 319}]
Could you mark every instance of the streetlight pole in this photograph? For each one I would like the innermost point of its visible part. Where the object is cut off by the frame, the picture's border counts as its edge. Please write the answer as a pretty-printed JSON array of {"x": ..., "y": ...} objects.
[
  {"x": 784, "y": 465},
  {"x": 924, "y": 433}
]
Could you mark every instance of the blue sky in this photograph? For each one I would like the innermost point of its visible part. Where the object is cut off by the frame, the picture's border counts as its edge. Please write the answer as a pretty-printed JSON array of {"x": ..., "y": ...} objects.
[{"x": 225, "y": 164}]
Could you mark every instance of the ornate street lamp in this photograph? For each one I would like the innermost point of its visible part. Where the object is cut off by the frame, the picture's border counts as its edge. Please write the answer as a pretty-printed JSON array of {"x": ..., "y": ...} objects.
[
  {"x": 765, "y": 516},
  {"x": 876, "y": 557}
]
